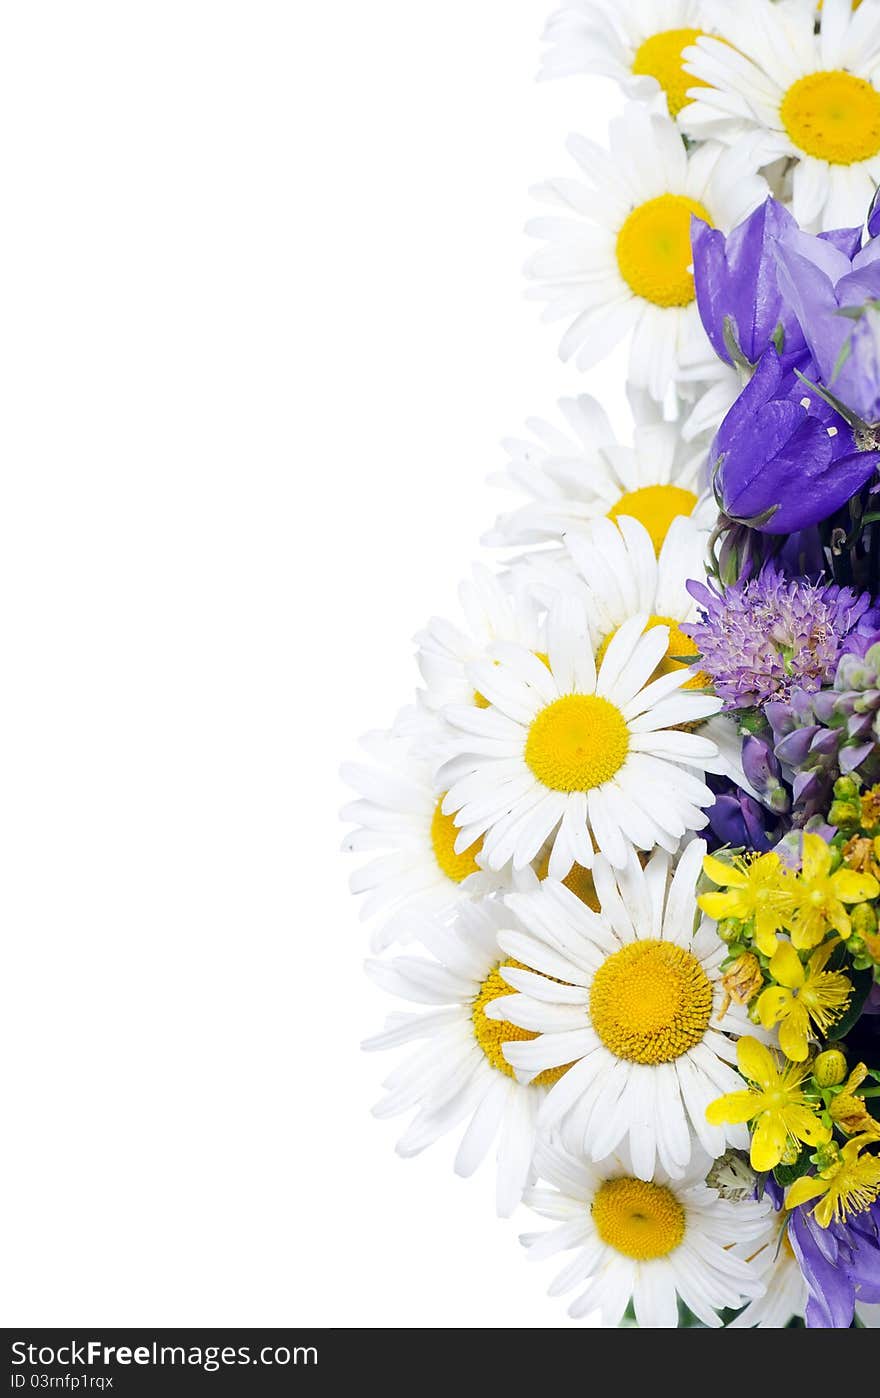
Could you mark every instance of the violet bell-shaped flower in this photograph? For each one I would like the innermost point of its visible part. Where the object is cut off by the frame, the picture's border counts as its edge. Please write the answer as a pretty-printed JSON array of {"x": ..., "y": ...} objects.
[
  {"x": 834, "y": 299},
  {"x": 783, "y": 458},
  {"x": 742, "y": 306}
]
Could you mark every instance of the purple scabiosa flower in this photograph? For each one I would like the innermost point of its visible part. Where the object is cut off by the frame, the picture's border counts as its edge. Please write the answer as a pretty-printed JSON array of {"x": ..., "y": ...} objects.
[
  {"x": 840, "y": 1264},
  {"x": 783, "y": 459},
  {"x": 764, "y": 637}
]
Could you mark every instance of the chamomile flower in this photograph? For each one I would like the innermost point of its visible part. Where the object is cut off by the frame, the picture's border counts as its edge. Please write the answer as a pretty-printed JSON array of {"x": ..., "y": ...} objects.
[
  {"x": 633, "y": 998},
  {"x": 581, "y": 473},
  {"x": 639, "y": 43},
  {"x": 780, "y": 88},
  {"x": 415, "y": 868},
  {"x": 650, "y": 1242},
  {"x": 620, "y": 263},
  {"x": 496, "y": 608},
  {"x": 623, "y": 574},
  {"x": 459, "y": 1073},
  {"x": 567, "y": 754}
]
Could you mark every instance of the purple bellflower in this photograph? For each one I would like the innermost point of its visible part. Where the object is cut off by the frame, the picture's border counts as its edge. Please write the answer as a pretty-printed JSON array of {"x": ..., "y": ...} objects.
[
  {"x": 841, "y": 1265},
  {"x": 783, "y": 459}
]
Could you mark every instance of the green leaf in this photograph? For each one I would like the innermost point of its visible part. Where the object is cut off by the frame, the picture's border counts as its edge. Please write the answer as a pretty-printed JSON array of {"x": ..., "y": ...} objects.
[
  {"x": 862, "y": 982},
  {"x": 785, "y": 1175}
]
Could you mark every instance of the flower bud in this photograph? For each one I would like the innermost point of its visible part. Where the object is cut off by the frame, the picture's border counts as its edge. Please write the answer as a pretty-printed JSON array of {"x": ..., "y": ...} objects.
[
  {"x": 846, "y": 815},
  {"x": 863, "y": 919},
  {"x": 846, "y": 788},
  {"x": 827, "y": 1157},
  {"x": 790, "y": 1152},
  {"x": 829, "y": 1069}
]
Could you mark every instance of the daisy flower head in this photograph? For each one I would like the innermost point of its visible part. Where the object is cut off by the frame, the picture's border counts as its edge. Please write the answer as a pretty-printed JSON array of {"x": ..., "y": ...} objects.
[
  {"x": 638, "y": 43},
  {"x": 786, "y": 87},
  {"x": 633, "y": 998},
  {"x": 496, "y": 607},
  {"x": 458, "y": 1074},
  {"x": 589, "y": 760},
  {"x": 618, "y": 263},
  {"x": 414, "y": 866},
  {"x": 573, "y": 476},
  {"x": 649, "y": 1242}
]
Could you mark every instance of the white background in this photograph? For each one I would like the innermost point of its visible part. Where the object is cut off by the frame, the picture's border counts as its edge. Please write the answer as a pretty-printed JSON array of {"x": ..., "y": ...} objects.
[{"x": 261, "y": 326}]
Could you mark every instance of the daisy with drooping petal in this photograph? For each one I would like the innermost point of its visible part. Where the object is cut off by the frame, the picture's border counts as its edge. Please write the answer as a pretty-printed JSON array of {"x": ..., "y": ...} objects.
[
  {"x": 459, "y": 1073},
  {"x": 572, "y": 477},
  {"x": 632, "y": 997},
  {"x": 567, "y": 754},
  {"x": 802, "y": 997},
  {"x": 649, "y": 1242},
  {"x": 782, "y": 89},
  {"x": 620, "y": 263},
  {"x": 639, "y": 43},
  {"x": 415, "y": 868},
  {"x": 496, "y": 608},
  {"x": 775, "y": 1102}
]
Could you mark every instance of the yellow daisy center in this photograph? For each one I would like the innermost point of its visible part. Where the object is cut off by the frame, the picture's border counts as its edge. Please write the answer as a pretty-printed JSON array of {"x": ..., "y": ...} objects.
[
  {"x": 650, "y": 1002},
  {"x": 480, "y": 699},
  {"x": 833, "y": 116},
  {"x": 491, "y": 1034},
  {"x": 577, "y": 742},
  {"x": 654, "y": 250},
  {"x": 660, "y": 57},
  {"x": 637, "y": 1218},
  {"x": 679, "y": 645},
  {"x": 655, "y": 506},
  {"x": 444, "y": 833}
]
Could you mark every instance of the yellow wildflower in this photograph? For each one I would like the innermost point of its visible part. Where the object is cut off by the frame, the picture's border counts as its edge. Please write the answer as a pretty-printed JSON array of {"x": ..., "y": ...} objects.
[
  {"x": 819, "y": 896},
  {"x": 849, "y": 1184},
  {"x": 775, "y": 1102},
  {"x": 849, "y": 1112},
  {"x": 759, "y": 889},
  {"x": 802, "y": 997}
]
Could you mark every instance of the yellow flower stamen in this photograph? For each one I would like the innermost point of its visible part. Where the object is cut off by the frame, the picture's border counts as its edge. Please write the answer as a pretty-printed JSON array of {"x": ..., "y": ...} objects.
[
  {"x": 650, "y": 1002},
  {"x": 759, "y": 891},
  {"x": 660, "y": 57},
  {"x": 654, "y": 250},
  {"x": 493, "y": 1034},
  {"x": 655, "y": 507},
  {"x": 638, "y": 1219},
  {"x": 802, "y": 998},
  {"x": 833, "y": 116},
  {"x": 577, "y": 742},
  {"x": 444, "y": 833},
  {"x": 820, "y": 896}
]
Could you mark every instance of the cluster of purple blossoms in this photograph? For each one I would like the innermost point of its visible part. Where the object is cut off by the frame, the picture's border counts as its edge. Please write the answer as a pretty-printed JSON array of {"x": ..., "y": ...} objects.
[{"x": 765, "y": 637}]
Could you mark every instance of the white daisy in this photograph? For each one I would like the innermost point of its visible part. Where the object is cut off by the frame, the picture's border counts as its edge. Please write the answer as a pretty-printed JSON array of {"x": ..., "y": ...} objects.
[
  {"x": 708, "y": 387},
  {"x": 572, "y": 477},
  {"x": 781, "y": 89},
  {"x": 565, "y": 754},
  {"x": 638, "y": 43},
  {"x": 786, "y": 1291},
  {"x": 632, "y": 997},
  {"x": 415, "y": 868},
  {"x": 648, "y": 1242},
  {"x": 459, "y": 1073},
  {"x": 623, "y": 576},
  {"x": 621, "y": 264},
  {"x": 496, "y": 608}
]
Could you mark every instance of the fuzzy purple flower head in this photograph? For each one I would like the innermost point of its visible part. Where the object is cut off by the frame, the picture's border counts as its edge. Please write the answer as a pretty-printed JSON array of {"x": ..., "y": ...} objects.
[{"x": 764, "y": 637}]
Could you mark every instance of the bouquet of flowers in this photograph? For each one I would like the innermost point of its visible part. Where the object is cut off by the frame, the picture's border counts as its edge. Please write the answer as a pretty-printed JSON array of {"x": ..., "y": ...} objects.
[{"x": 629, "y": 830}]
